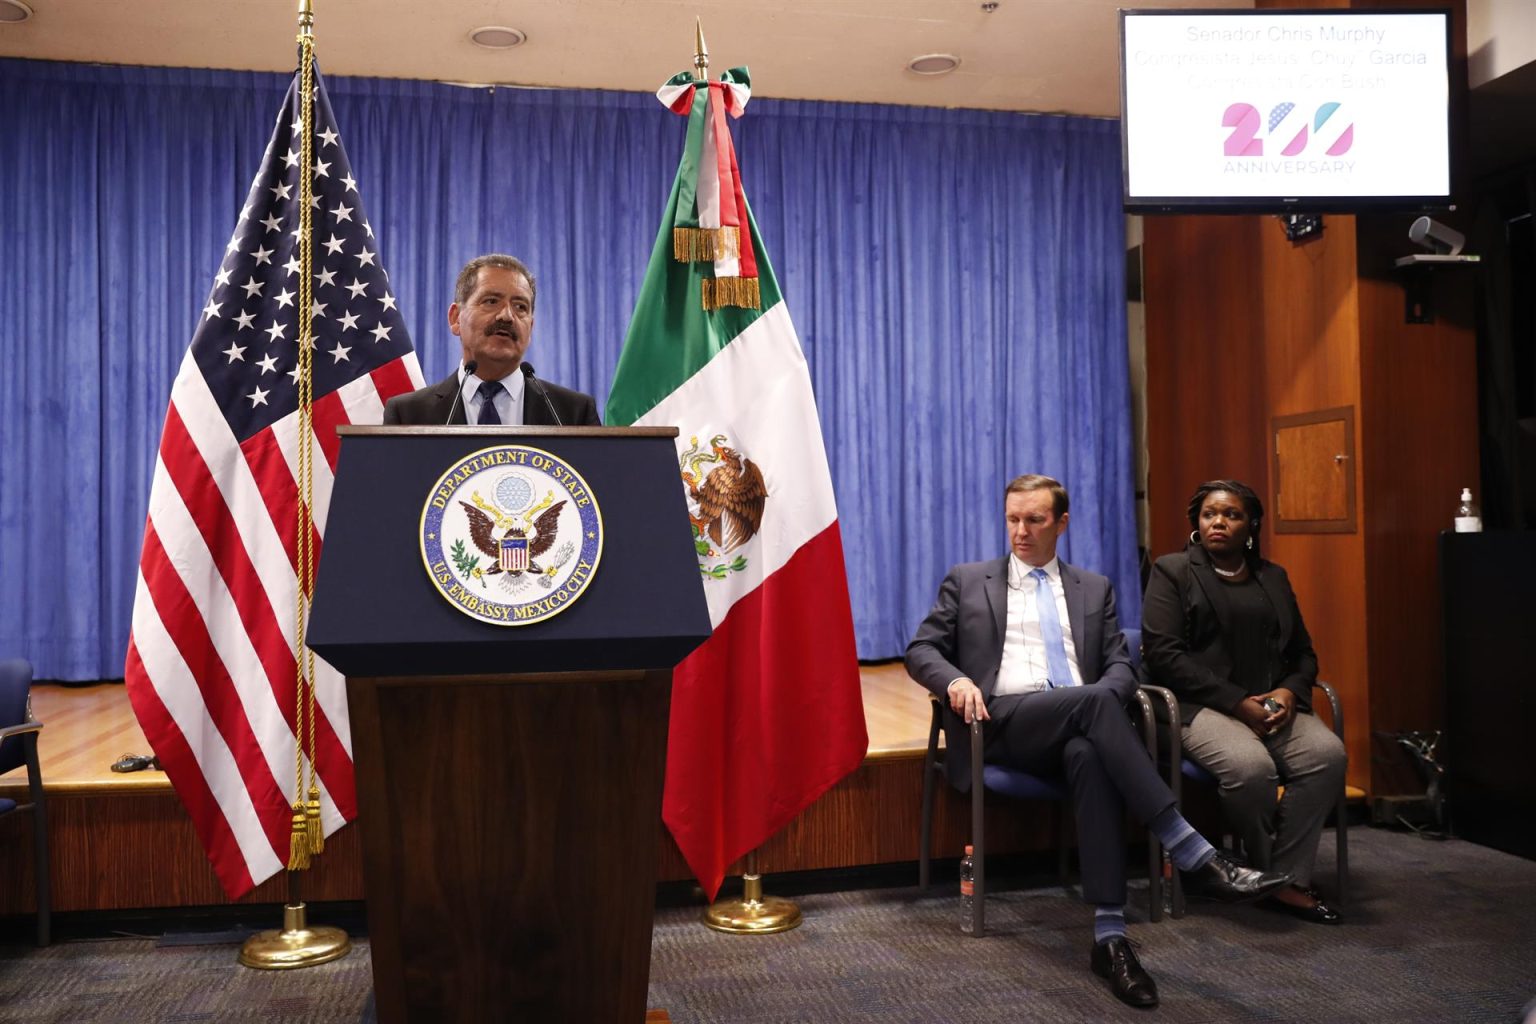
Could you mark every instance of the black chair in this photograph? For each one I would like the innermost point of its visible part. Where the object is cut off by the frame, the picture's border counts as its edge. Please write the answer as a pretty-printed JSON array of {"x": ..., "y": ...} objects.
[
  {"x": 1018, "y": 785},
  {"x": 1182, "y": 769},
  {"x": 18, "y": 746}
]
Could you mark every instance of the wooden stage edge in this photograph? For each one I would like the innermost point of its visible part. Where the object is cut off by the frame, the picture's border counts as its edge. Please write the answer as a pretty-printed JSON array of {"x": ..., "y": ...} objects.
[{"x": 124, "y": 842}]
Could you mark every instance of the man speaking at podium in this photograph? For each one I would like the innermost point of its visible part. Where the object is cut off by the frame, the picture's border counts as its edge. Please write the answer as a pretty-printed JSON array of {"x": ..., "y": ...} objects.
[{"x": 492, "y": 313}]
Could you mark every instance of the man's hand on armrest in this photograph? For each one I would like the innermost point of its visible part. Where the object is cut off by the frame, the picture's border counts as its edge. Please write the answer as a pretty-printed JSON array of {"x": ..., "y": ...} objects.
[{"x": 966, "y": 701}]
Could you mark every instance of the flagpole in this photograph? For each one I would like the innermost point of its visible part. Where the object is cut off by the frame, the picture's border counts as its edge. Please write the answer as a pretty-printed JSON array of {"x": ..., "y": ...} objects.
[
  {"x": 296, "y": 944},
  {"x": 754, "y": 913}
]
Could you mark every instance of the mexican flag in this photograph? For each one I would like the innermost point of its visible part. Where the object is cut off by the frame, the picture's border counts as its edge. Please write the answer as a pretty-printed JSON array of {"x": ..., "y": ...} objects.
[{"x": 767, "y": 714}]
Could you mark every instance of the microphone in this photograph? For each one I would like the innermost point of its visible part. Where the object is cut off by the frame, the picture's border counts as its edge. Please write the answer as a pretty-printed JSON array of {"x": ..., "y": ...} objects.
[
  {"x": 469, "y": 368},
  {"x": 528, "y": 372}
]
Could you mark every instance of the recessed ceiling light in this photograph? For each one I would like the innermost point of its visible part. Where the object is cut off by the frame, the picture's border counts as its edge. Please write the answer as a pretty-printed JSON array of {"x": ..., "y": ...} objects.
[
  {"x": 14, "y": 10},
  {"x": 497, "y": 37},
  {"x": 933, "y": 64}
]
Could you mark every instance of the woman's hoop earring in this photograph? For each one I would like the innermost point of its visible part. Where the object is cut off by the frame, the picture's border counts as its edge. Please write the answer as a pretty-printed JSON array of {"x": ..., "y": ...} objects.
[
  {"x": 1194, "y": 536},
  {"x": 1249, "y": 545}
]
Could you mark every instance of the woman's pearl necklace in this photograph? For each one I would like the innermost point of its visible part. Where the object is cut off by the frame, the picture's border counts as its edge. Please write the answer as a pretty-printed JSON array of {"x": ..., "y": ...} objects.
[{"x": 1229, "y": 574}]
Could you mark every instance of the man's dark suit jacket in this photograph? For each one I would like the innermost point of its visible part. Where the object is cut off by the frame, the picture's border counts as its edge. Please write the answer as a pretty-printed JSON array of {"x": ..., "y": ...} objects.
[
  {"x": 1183, "y": 635},
  {"x": 963, "y": 636},
  {"x": 429, "y": 406}
]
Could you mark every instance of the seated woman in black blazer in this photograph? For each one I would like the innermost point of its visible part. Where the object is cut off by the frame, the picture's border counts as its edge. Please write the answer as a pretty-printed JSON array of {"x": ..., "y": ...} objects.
[{"x": 1221, "y": 629}]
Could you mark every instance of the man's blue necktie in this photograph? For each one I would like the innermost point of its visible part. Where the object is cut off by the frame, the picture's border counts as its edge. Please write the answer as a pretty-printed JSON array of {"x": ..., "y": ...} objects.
[
  {"x": 488, "y": 391},
  {"x": 1050, "y": 631}
]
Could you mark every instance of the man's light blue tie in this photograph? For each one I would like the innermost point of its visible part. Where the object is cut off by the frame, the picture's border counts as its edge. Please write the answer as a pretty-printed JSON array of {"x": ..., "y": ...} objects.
[
  {"x": 1050, "y": 631},
  {"x": 488, "y": 391}
]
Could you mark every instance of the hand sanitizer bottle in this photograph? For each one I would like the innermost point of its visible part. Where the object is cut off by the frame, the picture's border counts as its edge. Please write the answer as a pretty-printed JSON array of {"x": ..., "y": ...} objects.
[{"x": 1468, "y": 519}]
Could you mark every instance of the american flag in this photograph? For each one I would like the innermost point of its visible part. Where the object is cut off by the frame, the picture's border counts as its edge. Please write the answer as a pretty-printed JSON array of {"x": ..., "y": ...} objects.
[{"x": 210, "y": 665}]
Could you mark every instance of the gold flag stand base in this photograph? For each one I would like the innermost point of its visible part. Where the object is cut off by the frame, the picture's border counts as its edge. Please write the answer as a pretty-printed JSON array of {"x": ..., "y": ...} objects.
[
  {"x": 297, "y": 944},
  {"x": 753, "y": 914}
]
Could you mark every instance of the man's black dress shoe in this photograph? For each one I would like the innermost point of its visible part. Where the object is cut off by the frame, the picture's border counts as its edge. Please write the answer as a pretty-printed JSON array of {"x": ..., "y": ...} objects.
[
  {"x": 1226, "y": 881},
  {"x": 1318, "y": 913},
  {"x": 1116, "y": 960}
]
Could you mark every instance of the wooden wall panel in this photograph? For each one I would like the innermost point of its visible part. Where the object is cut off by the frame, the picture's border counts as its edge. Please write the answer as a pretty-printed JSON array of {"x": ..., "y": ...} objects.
[
  {"x": 1310, "y": 336},
  {"x": 119, "y": 851},
  {"x": 1242, "y": 325},
  {"x": 1420, "y": 423},
  {"x": 1419, "y": 399},
  {"x": 1330, "y": 333},
  {"x": 872, "y": 817},
  {"x": 124, "y": 842},
  {"x": 1205, "y": 371},
  {"x": 1328, "y": 574},
  {"x": 1310, "y": 323}
]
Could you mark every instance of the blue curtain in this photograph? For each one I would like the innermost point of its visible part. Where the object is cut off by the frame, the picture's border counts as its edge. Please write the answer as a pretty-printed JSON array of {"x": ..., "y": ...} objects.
[{"x": 957, "y": 279}]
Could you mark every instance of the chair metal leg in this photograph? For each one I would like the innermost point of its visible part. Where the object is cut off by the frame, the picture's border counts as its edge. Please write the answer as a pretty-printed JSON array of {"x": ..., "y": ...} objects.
[
  {"x": 978, "y": 835},
  {"x": 1154, "y": 848},
  {"x": 1175, "y": 784},
  {"x": 1341, "y": 848},
  {"x": 1341, "y": 812},
  {"x": 979, "y": 863}
]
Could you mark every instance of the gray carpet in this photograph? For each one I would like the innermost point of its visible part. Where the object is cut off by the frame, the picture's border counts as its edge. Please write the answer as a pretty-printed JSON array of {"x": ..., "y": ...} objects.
[{"x": 1436, "y": 932}]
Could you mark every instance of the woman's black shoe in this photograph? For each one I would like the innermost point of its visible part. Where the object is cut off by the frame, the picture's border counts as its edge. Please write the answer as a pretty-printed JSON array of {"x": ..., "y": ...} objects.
[{"x": 1318, "y": 913}]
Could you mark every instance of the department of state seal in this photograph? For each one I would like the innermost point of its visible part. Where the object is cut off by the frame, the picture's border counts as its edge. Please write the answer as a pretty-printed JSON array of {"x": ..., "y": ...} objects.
[{"x": 511, "y": 535}]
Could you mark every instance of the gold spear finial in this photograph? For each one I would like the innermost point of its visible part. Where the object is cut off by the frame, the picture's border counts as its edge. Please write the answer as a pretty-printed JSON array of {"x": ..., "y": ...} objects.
[
  {"x": 306, "y": 18},
  {"x": 700, "y": 53}
]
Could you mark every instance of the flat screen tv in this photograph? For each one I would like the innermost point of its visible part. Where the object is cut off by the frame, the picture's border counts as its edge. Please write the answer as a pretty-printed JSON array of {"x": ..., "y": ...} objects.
[{"x": 1269, "y": 111}]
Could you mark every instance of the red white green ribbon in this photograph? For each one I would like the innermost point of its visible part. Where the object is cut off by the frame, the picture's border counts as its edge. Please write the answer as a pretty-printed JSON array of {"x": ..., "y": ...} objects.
[{"x": 712, "y": 205}]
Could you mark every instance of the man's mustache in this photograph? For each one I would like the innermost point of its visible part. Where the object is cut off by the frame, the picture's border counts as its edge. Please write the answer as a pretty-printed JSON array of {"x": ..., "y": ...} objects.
[{"x": 503, "y": 327}]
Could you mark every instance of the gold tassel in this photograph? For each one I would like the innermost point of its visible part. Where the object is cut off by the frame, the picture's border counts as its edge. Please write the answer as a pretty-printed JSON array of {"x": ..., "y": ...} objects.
[
  {"x": 298, "y": 841},
  {"x": 696, "y": 245},
  {"x": 312, "y": 826},
  {"x": 742, "y": 292}
]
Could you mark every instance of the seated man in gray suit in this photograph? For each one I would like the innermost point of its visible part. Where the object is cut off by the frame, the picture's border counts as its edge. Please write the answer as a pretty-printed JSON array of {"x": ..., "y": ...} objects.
[
  {"x": 1031, "y": 646},
  {"x": 492, "y": 314}
]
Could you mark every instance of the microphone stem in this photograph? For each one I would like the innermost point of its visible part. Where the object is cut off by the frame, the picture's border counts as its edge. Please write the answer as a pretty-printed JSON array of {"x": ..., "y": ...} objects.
[
  {"x": 458, "y": 394},
  {"x": 543, "y": 392}
]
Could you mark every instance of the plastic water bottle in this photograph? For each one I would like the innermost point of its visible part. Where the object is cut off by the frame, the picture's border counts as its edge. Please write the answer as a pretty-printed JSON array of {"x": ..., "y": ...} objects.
[
  {"x": 1167, "y": 885},
  {"x": 967, "y": 891},
  {"x": 1468, "y": 518}
]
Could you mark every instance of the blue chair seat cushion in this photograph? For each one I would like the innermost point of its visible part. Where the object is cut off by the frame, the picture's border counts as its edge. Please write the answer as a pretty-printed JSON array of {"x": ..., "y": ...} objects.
[
  {"x": 1020, "y": 785},
  {"x": 1192, "y": 770},
  {"x": 7, "y": 806}
]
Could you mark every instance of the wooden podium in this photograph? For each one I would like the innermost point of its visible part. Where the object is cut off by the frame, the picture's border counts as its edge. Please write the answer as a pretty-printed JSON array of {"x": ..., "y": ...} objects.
[{"x": 508, "y": 777}]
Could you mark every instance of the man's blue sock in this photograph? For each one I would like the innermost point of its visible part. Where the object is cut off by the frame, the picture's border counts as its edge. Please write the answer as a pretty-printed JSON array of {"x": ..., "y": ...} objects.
[
  {"x": 1108, "y": 922},
  {"x": 1186, "y": 848}
]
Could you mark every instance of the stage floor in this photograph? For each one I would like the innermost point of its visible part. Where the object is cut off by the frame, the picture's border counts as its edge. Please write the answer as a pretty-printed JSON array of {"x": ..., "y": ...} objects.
[{"x": 87, "y": 728}]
